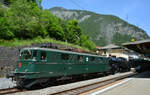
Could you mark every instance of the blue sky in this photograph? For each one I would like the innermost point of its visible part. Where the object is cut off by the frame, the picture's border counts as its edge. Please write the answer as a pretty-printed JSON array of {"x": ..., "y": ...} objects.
[{"x": 136, "y": 12}]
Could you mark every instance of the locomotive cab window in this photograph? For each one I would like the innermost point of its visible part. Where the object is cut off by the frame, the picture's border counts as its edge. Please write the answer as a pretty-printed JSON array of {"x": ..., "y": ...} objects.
[
  {"x": 27, "y": 55},
  {"x": 43, "y": 55},
  {"x": 65, "y": 57}
]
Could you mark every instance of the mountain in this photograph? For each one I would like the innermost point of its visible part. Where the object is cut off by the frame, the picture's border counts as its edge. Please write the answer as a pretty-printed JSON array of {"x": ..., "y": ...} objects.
[{"x": 102, "y": 29}]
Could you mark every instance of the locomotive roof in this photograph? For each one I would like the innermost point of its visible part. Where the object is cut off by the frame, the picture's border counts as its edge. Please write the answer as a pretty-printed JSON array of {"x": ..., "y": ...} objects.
[{"x": 62, "y": 51}]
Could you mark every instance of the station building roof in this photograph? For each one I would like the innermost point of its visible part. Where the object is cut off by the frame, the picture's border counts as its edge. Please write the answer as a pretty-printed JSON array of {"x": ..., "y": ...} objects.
[{"x": 142, "y": 46}]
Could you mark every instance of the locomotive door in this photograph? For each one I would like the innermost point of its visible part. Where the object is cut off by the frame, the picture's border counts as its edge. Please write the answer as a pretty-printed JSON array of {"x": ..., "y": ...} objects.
[{"x": 64, "y": 64}]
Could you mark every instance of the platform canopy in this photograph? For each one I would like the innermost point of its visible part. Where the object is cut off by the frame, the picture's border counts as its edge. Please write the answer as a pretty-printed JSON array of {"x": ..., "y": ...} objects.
[{"x": 142, "y": 46}]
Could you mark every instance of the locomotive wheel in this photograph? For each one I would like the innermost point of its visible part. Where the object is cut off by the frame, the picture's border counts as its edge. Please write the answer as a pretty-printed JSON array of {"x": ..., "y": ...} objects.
[
  {"x": 44, "y": 82},
  {"x": 105, "y": 74},
  {"x": 112, "y": 72},
  {"x": 20, "y": 83}
]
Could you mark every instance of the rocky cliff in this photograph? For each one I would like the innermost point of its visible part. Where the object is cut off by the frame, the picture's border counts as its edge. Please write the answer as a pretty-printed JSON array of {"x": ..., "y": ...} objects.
[{"x": 102, "y": 29}]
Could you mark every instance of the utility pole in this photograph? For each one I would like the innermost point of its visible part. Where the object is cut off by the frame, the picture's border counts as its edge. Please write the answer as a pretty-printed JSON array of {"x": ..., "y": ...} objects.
[{"x": 66, "y": 44}]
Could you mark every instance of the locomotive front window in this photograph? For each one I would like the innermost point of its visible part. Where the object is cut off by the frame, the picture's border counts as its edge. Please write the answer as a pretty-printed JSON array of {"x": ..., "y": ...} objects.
[
  {"x": 34, "y": 54},
  {"x": 27, "y": 55}
]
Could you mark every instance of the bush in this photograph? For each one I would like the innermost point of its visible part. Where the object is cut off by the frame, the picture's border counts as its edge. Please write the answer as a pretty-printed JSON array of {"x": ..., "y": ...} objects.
[
  {"x": 86, "y": 42},
  {"x": 5, "y": 32},
  {"x": 25, "y": 20}
]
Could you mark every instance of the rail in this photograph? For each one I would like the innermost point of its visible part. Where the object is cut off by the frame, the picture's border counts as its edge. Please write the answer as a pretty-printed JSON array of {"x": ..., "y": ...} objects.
[
  {"x": 86, "y": 88},
  {"x": 73, "y": 88},
  {"x": 10, "y": 91}
]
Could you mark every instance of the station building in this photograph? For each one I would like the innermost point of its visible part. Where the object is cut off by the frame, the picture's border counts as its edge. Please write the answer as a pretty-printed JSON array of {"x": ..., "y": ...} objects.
[{"x": 117, "y": 51}]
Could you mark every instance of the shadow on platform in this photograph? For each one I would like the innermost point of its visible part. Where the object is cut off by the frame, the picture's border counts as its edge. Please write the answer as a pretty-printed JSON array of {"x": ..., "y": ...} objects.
[{"x": 142, "y": 75}]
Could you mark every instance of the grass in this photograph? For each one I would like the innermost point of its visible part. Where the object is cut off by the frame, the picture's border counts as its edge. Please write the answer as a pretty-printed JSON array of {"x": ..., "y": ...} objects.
[{"x": 16, "y": 42}]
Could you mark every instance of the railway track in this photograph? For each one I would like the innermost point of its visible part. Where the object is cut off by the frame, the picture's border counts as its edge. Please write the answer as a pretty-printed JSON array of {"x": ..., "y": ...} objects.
[
  {"x": 69, "y": 89},
  {"x": 83, "y": 89},
  {"x": 10, "y": 91}
]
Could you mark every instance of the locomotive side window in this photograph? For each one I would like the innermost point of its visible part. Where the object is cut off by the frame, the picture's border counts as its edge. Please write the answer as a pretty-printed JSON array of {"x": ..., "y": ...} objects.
[
  {"x": 80, "y": 58},
  {"x": 43, "y": 55},
  {"x": 65, "y": 57},
  {"x": 27, "y": 55},
  {"x": 73, "y": 57},
  {"x": 34, "y": 54},
  {"x": 92, "y": 59},
  {"x": 100, "y": 60}
]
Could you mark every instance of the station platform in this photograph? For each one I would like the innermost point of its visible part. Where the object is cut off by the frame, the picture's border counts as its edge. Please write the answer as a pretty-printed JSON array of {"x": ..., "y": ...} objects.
[{"x": 137, "y": 85}]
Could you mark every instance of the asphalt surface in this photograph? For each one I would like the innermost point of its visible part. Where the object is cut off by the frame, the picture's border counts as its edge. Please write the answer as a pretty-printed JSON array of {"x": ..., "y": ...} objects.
[{"x": 137, "y": 85}]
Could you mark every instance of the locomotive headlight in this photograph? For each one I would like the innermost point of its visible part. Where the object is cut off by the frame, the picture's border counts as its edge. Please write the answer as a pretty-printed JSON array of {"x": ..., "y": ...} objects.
[{"x": 19, "y": 64}]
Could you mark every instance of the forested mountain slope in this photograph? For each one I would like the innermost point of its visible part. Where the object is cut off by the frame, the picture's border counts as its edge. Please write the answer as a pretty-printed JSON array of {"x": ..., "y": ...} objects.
[{"x": 102, "y": 29}]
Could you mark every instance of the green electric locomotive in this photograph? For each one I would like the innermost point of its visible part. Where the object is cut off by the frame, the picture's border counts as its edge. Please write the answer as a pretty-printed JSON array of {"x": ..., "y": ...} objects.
[{"x": 40, "y": 65}]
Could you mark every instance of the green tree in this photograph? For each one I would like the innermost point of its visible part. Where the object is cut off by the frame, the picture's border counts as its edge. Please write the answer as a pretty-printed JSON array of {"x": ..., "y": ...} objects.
[
  {"x": 5, "y": 32},
  {"x": 87, "y": 43},
  {"x": 56, "y": 31},
  {"x": 73, "y": 32},
  {"x": 52, "y": 25},
  {"x": 24, "y": 18},
  {"x": 119, "y": 38},
  {"x": 2, "y": 11}
]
